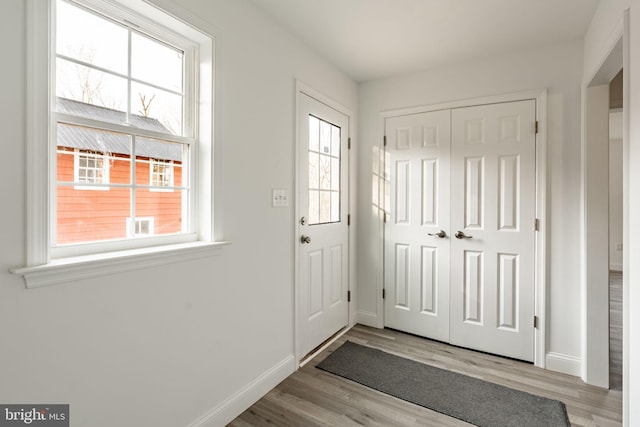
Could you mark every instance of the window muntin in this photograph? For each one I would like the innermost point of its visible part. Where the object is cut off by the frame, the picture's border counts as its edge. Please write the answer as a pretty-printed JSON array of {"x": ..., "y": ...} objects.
[
  {"x": 324, "y": 172},
  {"x": 110, "y": 107}
]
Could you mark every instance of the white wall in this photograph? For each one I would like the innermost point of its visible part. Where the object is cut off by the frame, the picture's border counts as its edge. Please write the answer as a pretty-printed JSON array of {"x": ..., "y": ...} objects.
[
  {"x": 615, "y": 191},
  {"x": 595, "y": 295},
  {"x": 557, "y": 68},
  {"x": 164, "y": 346}
]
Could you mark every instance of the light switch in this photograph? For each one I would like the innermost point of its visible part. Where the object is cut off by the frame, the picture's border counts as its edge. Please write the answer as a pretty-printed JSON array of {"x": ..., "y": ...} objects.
[{"x": 280, "y": 198}]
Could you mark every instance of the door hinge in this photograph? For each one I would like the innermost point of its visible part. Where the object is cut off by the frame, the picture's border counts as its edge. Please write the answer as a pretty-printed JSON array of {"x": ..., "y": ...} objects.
[
  {"x": 535, "y": 322},
  {"x": 348, "y": 219},
  {"x": 348, "y": 296},
  {"x": 537, "y": 126},
  {"x": 349, "y": 143},
  {"x": 384, "y": 219},
  {"x": 384, "y": 140},
  {"x": 536, "y": 224},
  {"x": 383, "y": 294}
]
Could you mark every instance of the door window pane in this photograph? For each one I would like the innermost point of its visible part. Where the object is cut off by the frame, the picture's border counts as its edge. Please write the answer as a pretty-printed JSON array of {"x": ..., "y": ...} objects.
[
  {"x": 324, "y": 172},
  {"x": 314, "y": 171}
]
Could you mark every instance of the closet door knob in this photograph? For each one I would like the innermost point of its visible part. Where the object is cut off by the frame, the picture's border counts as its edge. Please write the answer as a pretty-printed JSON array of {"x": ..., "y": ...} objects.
[
  {"x": 461, "y": 235},
  {"x": 442, "y": 234}
]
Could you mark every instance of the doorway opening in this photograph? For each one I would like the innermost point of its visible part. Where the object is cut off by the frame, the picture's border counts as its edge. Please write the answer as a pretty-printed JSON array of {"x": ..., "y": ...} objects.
[
  {"x": 603, "y": 229},
  {"x": 615, "y": 230}
]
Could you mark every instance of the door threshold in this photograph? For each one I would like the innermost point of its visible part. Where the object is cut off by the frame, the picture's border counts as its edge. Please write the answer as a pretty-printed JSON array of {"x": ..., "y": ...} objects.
[{"x": 333, "y": 338}]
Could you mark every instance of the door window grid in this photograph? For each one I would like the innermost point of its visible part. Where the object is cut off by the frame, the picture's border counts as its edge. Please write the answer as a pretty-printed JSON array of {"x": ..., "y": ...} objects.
[{"x": 324, "y": 172}]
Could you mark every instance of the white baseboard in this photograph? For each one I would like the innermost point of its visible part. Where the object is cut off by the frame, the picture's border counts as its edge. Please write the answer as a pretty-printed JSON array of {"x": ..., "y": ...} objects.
[
  {"x": 234, "y": 405},
  {"x": 563, "y": 363},
  {"x": 615, "y": 267}
]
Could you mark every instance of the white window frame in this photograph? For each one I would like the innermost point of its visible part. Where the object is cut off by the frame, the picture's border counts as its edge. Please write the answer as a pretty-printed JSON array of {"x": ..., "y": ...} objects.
[
  {"x": 43, "y": 265},
  {"x": 77, "y": 153}
]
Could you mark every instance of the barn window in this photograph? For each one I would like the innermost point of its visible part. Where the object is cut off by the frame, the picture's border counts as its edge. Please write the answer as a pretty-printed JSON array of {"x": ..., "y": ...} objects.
[
  {"x": 89, "y": 167},
  {"x": 161, "y": 175},
  {"x": 142, "y": 227}
]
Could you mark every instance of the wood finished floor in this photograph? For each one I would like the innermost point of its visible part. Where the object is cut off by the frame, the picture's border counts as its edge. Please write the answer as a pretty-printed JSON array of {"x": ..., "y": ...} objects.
[{"x": 311, "y": 397}]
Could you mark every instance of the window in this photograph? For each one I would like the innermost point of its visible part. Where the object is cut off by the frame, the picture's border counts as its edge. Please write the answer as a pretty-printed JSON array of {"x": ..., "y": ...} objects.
[
  {"x": 143, "y": 227},
  {"x": 89, "y": 167},
  {"x": 161, "y": 175},
  {"x": 123, "y": 93},
  {"x": 324, "y": 172},
  {"x": 118, "y": 86}
]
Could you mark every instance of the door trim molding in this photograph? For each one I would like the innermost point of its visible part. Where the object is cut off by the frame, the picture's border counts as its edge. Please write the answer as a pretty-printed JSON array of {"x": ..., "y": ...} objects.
[
  {"x": 540, "y": 269},
  {"x": 303, "y": 89}
]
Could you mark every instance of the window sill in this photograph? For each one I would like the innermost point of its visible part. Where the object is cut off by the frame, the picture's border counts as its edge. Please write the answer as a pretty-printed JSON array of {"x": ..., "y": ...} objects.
[{"x": 84, "y": 267}]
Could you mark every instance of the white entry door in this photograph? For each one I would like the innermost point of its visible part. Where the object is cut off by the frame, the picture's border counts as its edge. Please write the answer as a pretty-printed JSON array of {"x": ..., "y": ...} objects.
[
  {"x": 459, "y": 238},
  {"x": 323, "y": 234},
  {"x": 493, "y": 213},
  {"x": 417, "y": 229}
]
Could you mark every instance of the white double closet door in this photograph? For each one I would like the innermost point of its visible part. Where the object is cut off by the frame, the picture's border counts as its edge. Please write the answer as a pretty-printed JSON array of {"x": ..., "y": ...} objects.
[{"x": 459, "y": 237}]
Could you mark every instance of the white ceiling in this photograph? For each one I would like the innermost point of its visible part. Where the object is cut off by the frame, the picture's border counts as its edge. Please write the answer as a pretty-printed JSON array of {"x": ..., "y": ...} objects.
[{"x": 371, "y": 39}]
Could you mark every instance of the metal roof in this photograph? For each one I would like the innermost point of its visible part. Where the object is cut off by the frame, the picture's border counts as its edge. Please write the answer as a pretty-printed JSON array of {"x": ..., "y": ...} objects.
[{"x": 112, "y": 142}]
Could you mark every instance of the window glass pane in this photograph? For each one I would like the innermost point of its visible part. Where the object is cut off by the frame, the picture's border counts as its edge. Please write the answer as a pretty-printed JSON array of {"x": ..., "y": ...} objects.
[
  {"x": 156, "y": 109},
  {"x": 314, "y": 171},
  {"x": 160, "y": 163},
  {"x": 87, "y": 216},
  {"x": 325, "y": 172},
  {"x": 314, "y": 133},
  {"x": 156, "y": 63},
  {"x": 335, "y": 141},
  {"x": 335, "y": 206},
  {"x": 335, "y": 174},
  {"x": 164, "y": 207},
  {"x": 325, "y": 137},
  {"x": 144, "y": 227},
  {"x": 325, "y": 206},
  {"x": 87, "y": 92},
  {"x": 89, "y": 38},
  {"x": 314, "y": 207}
]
